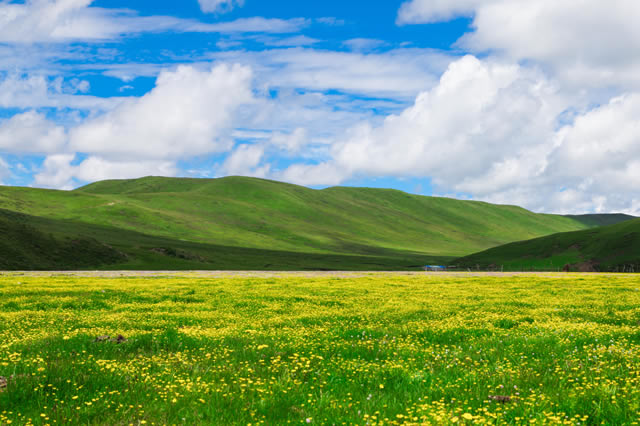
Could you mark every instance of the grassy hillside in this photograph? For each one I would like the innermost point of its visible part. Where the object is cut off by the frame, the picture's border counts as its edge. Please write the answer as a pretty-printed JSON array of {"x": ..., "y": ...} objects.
[
  {"x": 24, "y": 245},
  {"x": 34, "y": 243},
  {"x": 238, "y": 223},
  {"x": 593, "y": 220},
  {"x": 609, "y": 248}
]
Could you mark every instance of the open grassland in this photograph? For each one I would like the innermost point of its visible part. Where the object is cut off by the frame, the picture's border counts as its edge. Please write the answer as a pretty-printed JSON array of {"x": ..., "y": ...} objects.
[{"x": 321, "y": 349}]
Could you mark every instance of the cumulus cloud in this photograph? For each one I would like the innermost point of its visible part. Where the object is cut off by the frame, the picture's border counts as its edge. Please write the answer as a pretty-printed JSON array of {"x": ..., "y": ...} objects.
[
  {"x": 44, "y": 20},
  {"x": 587, "y": 42},
  {"x": 31, "y": 132},
  {"x": 59, "y": 171},
  {"x": 56, "y": 172},
  {"x": 189, "y": 112},
  {"x": 245, "y": 161},
  {"x": 291, "y": 142},
  {"x": 491, "y": 130},
  {"x": 219, "y": 6},
  {"x": 478, "y": 114},
  {"x": 598, "y": 156}
]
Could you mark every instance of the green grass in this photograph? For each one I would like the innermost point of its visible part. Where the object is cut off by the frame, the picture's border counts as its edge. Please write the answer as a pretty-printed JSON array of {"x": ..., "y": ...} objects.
[
  {"x": 214, "y": 223},
  {"x": 609, "y": 248},
  {"x": 593, "y": 220},
  {"x": 324, "y": 349},
  {"x": 24, "y": 246},
  {"x": 73, "y": 245}
]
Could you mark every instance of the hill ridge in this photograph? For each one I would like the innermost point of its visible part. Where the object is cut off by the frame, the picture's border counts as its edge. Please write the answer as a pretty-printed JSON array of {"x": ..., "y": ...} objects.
[{"x": 263, "y": 214}]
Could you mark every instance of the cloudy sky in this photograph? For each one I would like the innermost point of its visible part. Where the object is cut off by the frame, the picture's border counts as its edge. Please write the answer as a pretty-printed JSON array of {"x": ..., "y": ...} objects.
[{"x": 528, "y": 102}]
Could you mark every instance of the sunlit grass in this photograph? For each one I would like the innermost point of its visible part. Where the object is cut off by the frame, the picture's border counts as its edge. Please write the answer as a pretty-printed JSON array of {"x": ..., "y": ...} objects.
[{"x": 351, "y": 349}]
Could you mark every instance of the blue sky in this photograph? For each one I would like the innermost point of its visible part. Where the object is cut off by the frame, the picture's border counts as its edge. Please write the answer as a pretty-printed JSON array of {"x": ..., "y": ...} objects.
[{"x": 533, "y": 102}]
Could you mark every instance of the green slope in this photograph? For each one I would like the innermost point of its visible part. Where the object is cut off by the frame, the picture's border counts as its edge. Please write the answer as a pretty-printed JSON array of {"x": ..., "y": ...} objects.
[
  {"x": 24, "y": 245},
  {"x": 277, "y": 221},
  {"x": 593, "y": 220},
  {"x": 609, "y": 248},
  {"x": 36, "y": 243}
]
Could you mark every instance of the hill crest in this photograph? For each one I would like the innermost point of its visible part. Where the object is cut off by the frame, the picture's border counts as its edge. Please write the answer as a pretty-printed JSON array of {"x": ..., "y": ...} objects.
[{"x": 258, "y": 214}]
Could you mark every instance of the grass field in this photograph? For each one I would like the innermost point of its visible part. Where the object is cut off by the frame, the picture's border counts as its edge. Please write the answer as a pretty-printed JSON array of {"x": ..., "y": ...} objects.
[{"x": 321, "y": 349}]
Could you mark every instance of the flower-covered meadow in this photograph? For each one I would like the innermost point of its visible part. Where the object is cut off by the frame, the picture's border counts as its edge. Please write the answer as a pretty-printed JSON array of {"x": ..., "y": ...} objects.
[{"x": 320, "y": 349}]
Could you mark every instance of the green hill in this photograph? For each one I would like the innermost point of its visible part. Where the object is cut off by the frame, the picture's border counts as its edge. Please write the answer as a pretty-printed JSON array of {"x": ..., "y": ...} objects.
[
  {"x": 25, "y": 246},
  {"x": 609, "y": 248},
  {"x": 246, "y": 223},
  {"x": 593, "y": 220}
]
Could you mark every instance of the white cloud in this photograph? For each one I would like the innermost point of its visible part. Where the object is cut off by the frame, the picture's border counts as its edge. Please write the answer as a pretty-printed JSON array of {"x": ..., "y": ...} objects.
[
  {"x": 246, "y": 25},
  {"x": 588, "y": 42},
  {"x": 189, "y": 112},
  {"x": 79, "y": 86},
  {"x": 39, "y": 91},
  {"x": 598, "y": 156},
  {"x": 490, "y": 130},
  {"x": 219, "y": 6},
  {"x": 480, "y": 114},
  {"x": 51, "y": 20},
  {"x": 31, "y": 132},
  {"x": 363, "y": 44},
  {"x": 323, "y": 117},
  {"x": 331, "y": 21},
  {"x": 592, "y": 165},
  {"x": 58, "y": 170},
  {"x": 283, "y": 104},
  {"x": 316, "y": 175},
  {"x": 244, "y": 161},
  {"x": 429, "y": 11},
  {"x": 4, "y": 171},
  {"x": 54, "y": 21},
  {"x": 393, "y": 73},
  {"x": 399, "y": 73},
  {"x": 291, "y": 142}
]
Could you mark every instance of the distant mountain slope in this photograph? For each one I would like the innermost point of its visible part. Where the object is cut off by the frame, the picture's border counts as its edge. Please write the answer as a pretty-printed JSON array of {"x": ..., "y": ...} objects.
[
  {"x": 266, "y": 214},
  {"x": 593, "y": 220},
  {"x": 608, "y": 248},
  {"x": 238, "y": 213}
]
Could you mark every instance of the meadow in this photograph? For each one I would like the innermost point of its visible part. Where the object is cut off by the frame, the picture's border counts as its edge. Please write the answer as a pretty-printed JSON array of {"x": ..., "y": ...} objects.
[{"x": 359, "y": 348}]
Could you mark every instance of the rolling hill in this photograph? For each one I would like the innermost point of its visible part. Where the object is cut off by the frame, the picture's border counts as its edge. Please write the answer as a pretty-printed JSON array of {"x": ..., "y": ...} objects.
[
  {"x": 609, "y": 248},
  {"x": 24, "y": 245},
  {"x": 247, "y": 223}
]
